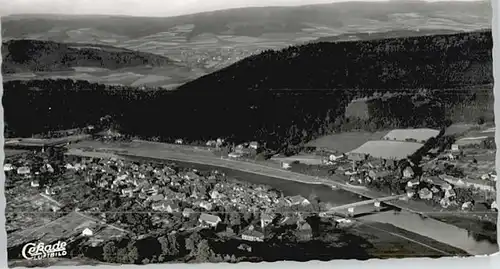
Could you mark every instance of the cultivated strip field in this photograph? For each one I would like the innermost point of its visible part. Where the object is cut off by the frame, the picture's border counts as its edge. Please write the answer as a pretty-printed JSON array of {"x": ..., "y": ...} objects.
[
  {"x": 345, "y": 142},
  {"x": 387, "y": 149}
]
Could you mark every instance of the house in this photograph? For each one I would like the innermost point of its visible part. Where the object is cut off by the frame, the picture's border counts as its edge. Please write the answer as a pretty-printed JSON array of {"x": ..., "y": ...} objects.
[
  {"x": 494, "y": 205},
  {"x": 286, "y": 165},
  {"x": 266, "y": 219},
  {"x": 157, "y": 197},
  {"x": 240, "y": 146},
  {"x": 49, "y": 168},
  {"x": 335, "y": 158},
  {"x": 449, "y": 193},
  {"x": 211, "y": 143},
  {"x": 425, "y": 194},
  {"x": 252, "y": 235},
  {"x": 128, "y": 192},
  {"x": 350, "y": 211},
  {"x": 35, "y": 184},
  {"x": 408, "y": 172},
  {"x": 243, "y": 151},
  {"x": 206, "y": 205},
  {"x": 378, "y": 175},
  {"x": 350, "y": 173},
  {"x": 439, "y": 182},
  {"x": 171, "y": 207},
  {"x": 49, "y": 191},
  {"x": 412, "y": 183},
  {"x": 8, "y": 167},
  {"x": 410, "y": 192},
  {"x": 216, "y": 195},
  {"x": 187, "y": 212},
  {"x": 245, "y": 247},
  {"x": 191, "y": 176},
  {"x": 298, "y": 200},
  {"x": 209, "y": 219},
  {"x": 304, "y": 231},
  {"x": 445, "y": 202},
  {"x": 179, "y": 141},
  {"x": 455, "y": 148},
  {"x": 157, "y": 205},
  {"x": 254, "y": 145},
  {"x": 87, "y": 232},
  {"x": 467, "y": 205},
  {"x": 23, "y": 170}
]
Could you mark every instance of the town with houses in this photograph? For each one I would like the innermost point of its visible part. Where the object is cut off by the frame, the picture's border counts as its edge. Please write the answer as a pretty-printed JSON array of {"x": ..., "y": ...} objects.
[{"x": 121, "y": 193}]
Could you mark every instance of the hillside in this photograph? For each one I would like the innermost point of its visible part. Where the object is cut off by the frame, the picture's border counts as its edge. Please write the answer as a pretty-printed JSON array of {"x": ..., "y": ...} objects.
[
  {"x": 284, "y": 98},
  {"x": 439, "y": 61},
  {"x": 35, "y": 59},
  {"x": 213, "y": 40},
  {"x": 47, "y": 56}
]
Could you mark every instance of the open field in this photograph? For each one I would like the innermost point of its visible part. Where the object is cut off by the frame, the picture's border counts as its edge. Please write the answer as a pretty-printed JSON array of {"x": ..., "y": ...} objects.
[
  {"x": 137, "y": 76},
  {"x": 40, "y": 142},
  {"x": 358, "y": 109},
  {"x": 345, "y": 142},
  {"x": 387, "y": 149},
  {"x": 302, "y": 158},
  {"x": 67, "y": 226},
  {"x": 64, "y": 227},
  {"x": 419, "y": 135},
  {"x": 458, "y": 128}
]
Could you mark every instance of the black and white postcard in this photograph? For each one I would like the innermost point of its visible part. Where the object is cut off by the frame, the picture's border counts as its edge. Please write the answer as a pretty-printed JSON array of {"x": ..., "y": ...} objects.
[{"x": 220, "y": 131}]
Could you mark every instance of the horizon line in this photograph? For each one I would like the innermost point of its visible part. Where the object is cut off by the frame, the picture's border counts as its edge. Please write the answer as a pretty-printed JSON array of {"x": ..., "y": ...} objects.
[{"x": 340, "y": 2}]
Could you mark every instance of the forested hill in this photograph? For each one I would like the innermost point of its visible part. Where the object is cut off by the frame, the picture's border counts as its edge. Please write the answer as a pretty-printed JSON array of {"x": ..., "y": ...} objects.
[
  {"x": 27, "y": 55},
  {"x": 437, "y": 61},
  {"x": 223, "y": 104}
]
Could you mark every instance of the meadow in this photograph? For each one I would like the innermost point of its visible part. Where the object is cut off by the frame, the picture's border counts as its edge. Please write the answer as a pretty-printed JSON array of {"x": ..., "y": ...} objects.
[
  {"x": 386, "y": 149},
  {"x": 346, "y": 141}
]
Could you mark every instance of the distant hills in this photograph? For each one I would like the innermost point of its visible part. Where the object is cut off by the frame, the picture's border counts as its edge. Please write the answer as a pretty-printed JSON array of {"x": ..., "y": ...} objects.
[
  {"x": 284, "y": 97},
  {"x": 35, "y": 59},
  {"x": 213, "y": 40}
]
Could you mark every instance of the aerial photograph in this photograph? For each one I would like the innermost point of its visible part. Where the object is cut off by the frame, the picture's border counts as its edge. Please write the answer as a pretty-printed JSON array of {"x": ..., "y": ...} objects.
[{"x": 225, "y": 132}]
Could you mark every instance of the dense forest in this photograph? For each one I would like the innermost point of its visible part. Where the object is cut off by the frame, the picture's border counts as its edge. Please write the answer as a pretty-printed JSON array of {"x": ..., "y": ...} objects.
[
  {"x": 306, "y": 95},
  {"x": 35, "y": 55},
  {"x": 439, "y": 61}
]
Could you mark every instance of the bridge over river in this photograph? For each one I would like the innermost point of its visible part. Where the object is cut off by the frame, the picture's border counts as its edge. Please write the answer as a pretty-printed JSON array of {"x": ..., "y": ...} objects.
[{"x": 365, "y": 205}]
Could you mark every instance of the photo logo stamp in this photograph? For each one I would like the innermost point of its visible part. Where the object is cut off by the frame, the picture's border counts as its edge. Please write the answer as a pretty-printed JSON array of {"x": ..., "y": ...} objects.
[{"x": 32, "y": 251}]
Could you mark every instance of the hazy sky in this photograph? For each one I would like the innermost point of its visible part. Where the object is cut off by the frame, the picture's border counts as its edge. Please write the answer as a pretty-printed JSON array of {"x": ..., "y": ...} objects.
[{"x": 142, "y": 7}]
